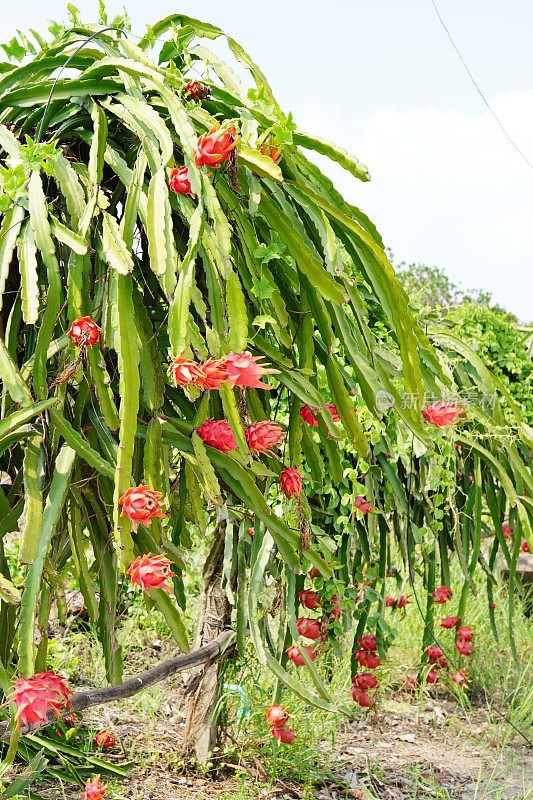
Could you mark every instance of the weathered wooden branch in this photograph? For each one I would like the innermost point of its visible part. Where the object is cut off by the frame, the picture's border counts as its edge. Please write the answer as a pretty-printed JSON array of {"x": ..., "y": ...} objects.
[{"x": 209, "y": 653}]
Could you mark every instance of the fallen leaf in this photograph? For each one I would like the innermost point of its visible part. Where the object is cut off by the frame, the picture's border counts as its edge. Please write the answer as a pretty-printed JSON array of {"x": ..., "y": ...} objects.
[
  {"x": 407, "y": 737},
  {"x": 353, "y": 751}
]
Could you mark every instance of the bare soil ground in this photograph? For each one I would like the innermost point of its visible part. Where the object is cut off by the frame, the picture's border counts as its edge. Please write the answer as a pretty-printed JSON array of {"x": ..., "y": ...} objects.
[
  {"x": 404, "y": 752},
  {"x": 411, "y": 752}
]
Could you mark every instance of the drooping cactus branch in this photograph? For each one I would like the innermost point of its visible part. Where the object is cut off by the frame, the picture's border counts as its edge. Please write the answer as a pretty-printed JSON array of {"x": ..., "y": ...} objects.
[
  {"x": 215, "y": 650},
  {"x": 149, "y": 221}
]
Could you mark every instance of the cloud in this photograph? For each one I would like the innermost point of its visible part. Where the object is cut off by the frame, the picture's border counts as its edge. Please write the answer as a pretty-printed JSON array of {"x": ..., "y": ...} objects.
[{"x": 447, "y": 188}]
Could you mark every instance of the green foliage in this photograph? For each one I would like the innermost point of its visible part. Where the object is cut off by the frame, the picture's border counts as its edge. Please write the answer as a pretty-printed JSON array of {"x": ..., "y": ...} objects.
[
  {"x": 500, "y": 345},
  {"x": 430, "y": 286},
  {"x": 490, "y": 331},
  {"x": 259, "y": 256}
]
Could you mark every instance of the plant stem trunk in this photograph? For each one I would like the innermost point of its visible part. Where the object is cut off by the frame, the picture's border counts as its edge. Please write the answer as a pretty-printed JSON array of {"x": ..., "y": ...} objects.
[{"x": 201, "y": 729}]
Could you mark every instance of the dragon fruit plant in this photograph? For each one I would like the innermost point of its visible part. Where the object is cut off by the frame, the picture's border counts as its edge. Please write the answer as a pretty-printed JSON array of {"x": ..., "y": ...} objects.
[{"x": 187, "y": 318}]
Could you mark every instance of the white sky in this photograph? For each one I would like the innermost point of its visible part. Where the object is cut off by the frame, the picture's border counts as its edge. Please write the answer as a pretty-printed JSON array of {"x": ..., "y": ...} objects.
[{"x": 380, "y": 78}]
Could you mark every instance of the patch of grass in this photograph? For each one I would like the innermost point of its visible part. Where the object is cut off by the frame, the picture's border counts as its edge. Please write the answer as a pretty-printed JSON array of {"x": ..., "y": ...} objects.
[
  {"x": 488, "y": 785},
  {"x": 500, "y": 690},
  {"x": 256, "y": 761},
  {"x": 414, "y": 782},
  {"x": 498, "y": 683}
]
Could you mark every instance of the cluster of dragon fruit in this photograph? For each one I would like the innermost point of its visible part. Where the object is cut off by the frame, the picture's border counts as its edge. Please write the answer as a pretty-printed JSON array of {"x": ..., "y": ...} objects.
[{"x": 47, "y": 694}]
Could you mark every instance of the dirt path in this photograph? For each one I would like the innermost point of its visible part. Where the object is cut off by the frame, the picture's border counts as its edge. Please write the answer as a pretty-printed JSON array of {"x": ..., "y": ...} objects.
[
  {"x": 406, "y": 752},
  {"x": 410, "y": 752}
]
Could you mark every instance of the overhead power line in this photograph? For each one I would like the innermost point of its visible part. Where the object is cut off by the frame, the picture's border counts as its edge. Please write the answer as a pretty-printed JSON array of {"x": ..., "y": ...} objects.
[{"x": 479, "y": 91}]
